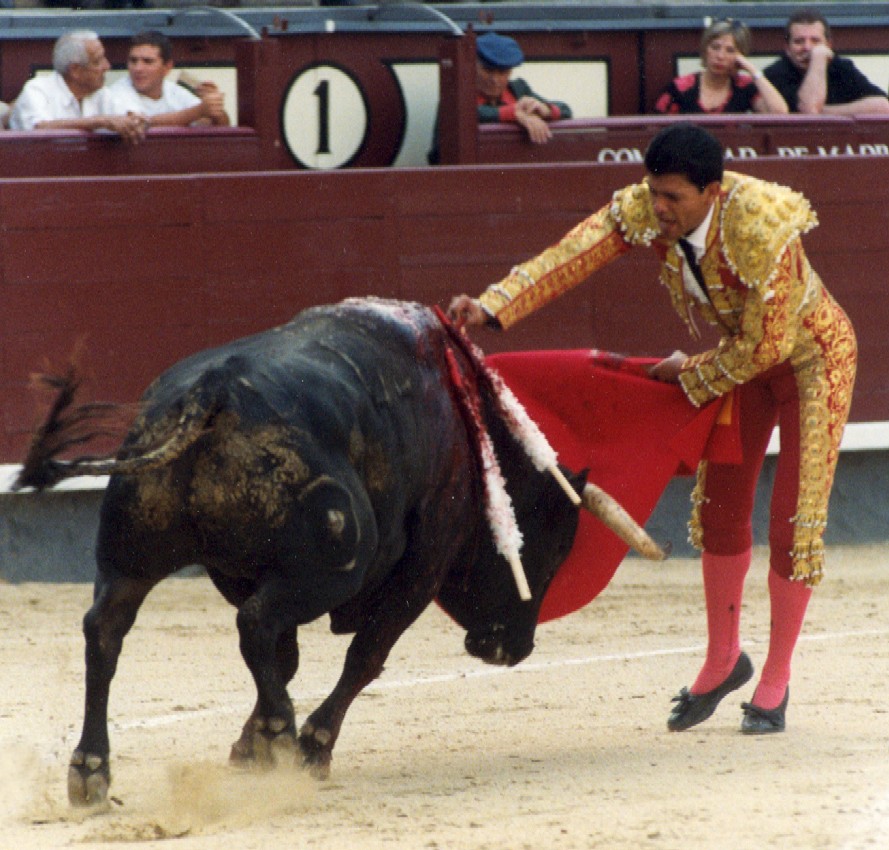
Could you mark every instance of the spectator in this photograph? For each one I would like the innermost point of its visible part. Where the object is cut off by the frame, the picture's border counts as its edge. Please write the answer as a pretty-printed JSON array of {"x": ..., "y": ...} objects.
[
  {"x": 502, "y": 99},
  {"x": 813, "y": 79},
  {"x": 505, "y": 100},
  {"x": 147, "y": 90},
  {"x": 73, "y": 96},
  {"x": 728, "y": 81}
]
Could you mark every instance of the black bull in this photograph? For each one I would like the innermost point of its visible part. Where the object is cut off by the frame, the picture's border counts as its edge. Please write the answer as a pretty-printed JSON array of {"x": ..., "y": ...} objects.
[{"x": 325, "y": 466}]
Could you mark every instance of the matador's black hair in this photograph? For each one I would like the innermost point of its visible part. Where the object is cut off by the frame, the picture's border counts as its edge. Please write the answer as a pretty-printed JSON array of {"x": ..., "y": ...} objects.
[{"x": 686, "y": 149}]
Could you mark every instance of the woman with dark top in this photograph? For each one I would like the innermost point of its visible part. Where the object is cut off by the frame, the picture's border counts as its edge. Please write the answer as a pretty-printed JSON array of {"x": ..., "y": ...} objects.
[{"x": 719, "y": 87}]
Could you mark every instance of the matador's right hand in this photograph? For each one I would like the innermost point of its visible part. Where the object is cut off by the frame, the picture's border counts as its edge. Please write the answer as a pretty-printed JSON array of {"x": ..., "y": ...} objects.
[{"x": 466, "y": 312}]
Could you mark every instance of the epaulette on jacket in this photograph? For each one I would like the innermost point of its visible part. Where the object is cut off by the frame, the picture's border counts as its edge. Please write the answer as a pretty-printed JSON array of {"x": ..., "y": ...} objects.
[
  {"x": 631, "y": 209},
  {"x": 758, "y": 220}
]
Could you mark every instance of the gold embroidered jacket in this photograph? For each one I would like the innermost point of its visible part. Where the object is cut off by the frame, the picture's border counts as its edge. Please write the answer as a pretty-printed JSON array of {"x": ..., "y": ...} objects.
[
  {"x": 759, "y": 282},
  {"x": 761, "y": 293}
]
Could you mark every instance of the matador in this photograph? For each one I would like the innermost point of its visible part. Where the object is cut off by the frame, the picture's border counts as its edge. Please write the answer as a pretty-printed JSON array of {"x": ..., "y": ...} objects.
[{"x": 731, "y": 254}]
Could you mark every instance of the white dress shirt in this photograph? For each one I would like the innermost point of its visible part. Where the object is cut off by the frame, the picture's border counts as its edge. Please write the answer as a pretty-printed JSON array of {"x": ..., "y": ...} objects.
[
  {"x": 48, "y": 98},
  {"x": 698, "y": 241}
]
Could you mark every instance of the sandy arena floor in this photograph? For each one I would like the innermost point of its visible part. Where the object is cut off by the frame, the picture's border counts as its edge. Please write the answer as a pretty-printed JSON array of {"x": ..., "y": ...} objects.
[{"x": 568, "y": 750}]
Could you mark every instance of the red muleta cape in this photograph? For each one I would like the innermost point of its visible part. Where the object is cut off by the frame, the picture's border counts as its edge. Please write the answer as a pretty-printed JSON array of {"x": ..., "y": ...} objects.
[{"x": 602, "y": 412}]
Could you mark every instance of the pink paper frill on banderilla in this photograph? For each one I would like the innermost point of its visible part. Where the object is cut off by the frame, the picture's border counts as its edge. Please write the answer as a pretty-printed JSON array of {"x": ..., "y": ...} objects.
[{"x": 603, "y": 413}]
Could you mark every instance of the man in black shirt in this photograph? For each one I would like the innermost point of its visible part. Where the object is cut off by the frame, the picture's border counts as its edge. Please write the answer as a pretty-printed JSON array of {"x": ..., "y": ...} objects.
[{"x": 814, "y": 80}]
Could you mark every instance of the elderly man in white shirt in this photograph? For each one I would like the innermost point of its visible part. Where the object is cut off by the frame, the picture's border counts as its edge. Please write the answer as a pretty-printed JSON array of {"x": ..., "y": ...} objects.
[
  {"x": 73, "y": 97},
  {"x": 147, "y": 90}
]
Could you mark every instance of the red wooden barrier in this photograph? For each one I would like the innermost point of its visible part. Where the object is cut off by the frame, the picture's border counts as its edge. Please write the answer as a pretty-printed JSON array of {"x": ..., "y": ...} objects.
[{"x": 149, "y": 269}]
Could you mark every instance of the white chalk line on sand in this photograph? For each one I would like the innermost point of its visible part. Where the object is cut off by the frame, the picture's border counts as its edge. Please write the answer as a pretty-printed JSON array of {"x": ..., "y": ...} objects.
[{"x": 478, "y": 673}]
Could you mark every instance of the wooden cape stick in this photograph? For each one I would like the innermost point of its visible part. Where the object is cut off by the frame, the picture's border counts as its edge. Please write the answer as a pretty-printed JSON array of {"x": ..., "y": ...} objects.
[{"x": 544, "y": 457}]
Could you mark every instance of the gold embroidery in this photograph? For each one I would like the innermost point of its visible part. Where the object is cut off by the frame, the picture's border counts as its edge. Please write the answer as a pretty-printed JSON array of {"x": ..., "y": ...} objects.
[
  {"x": 759, "y": 333},
  {"x": 671, "y": 278},
  {"x": 593, "y": 243},
  {"x": 825, "y": 377},
  {"x": 631, "y": 209},
  {"x": 695, "y": 527},
  {"x": 758, "y": 221}
]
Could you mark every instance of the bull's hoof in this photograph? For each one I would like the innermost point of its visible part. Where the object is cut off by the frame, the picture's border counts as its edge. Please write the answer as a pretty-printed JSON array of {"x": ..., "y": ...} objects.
[
  {"x": 265, "y": 743},
  {"x": 88, "y": 780},
  {"x": 242, "y": 753},
  {"x": 316, "y": 747},
  {"x": 495, "y": 646}
]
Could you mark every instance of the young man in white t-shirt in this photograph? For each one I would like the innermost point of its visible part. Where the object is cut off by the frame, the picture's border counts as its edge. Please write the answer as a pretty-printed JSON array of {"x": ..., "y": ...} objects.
[{"x": 147, "y": 91}]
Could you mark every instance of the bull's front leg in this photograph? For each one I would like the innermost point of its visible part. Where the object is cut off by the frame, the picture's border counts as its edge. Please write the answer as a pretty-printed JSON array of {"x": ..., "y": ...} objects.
[
  {"x": 400, "y": 602},
  {"x": 319, "y": 733},
  {"x": 116, "y": 603}
]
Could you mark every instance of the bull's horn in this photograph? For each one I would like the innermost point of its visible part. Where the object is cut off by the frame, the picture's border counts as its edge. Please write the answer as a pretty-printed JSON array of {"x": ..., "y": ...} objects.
[{"x": 612, "y": 515}]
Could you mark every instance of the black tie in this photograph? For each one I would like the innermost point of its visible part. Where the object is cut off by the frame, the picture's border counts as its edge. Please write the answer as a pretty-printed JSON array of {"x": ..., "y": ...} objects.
[{"x": 692, "y": 261}]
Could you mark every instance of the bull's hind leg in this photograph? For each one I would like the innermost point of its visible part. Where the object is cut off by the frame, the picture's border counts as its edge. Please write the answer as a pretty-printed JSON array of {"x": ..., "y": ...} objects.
[
  {"x": 237, "y": 591},
  {"x": 267, "y": 630},
  {"x": 116, "y": 601},
  {"x": 252, "y": 747}
]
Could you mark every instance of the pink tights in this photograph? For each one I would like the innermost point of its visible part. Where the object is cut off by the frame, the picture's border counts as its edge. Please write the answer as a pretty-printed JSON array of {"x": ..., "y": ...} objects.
[{"x": 723, "y": 591}]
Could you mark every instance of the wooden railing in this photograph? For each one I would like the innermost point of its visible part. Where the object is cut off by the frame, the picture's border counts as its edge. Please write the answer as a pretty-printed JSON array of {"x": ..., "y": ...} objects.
[
  {"x": 181, "y": 150},
  {"x": 624, "y": 139}
]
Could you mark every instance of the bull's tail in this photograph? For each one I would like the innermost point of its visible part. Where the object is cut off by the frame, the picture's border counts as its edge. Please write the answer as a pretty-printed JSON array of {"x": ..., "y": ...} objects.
[{"x": 68, "y": 425}]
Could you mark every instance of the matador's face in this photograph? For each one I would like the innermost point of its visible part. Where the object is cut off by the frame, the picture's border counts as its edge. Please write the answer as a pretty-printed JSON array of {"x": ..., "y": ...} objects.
[{"x": 678, "y": 204}]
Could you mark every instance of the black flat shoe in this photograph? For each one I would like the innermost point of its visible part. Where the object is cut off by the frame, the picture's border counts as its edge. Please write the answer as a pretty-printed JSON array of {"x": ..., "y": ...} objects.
[
  {"x": 691, "y": 709},
  {"x": 764, "y": 721}
]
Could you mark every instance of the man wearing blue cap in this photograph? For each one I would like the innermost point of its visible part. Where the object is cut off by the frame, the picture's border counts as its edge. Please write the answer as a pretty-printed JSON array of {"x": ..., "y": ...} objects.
[{"x": 504, "y": 100}]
